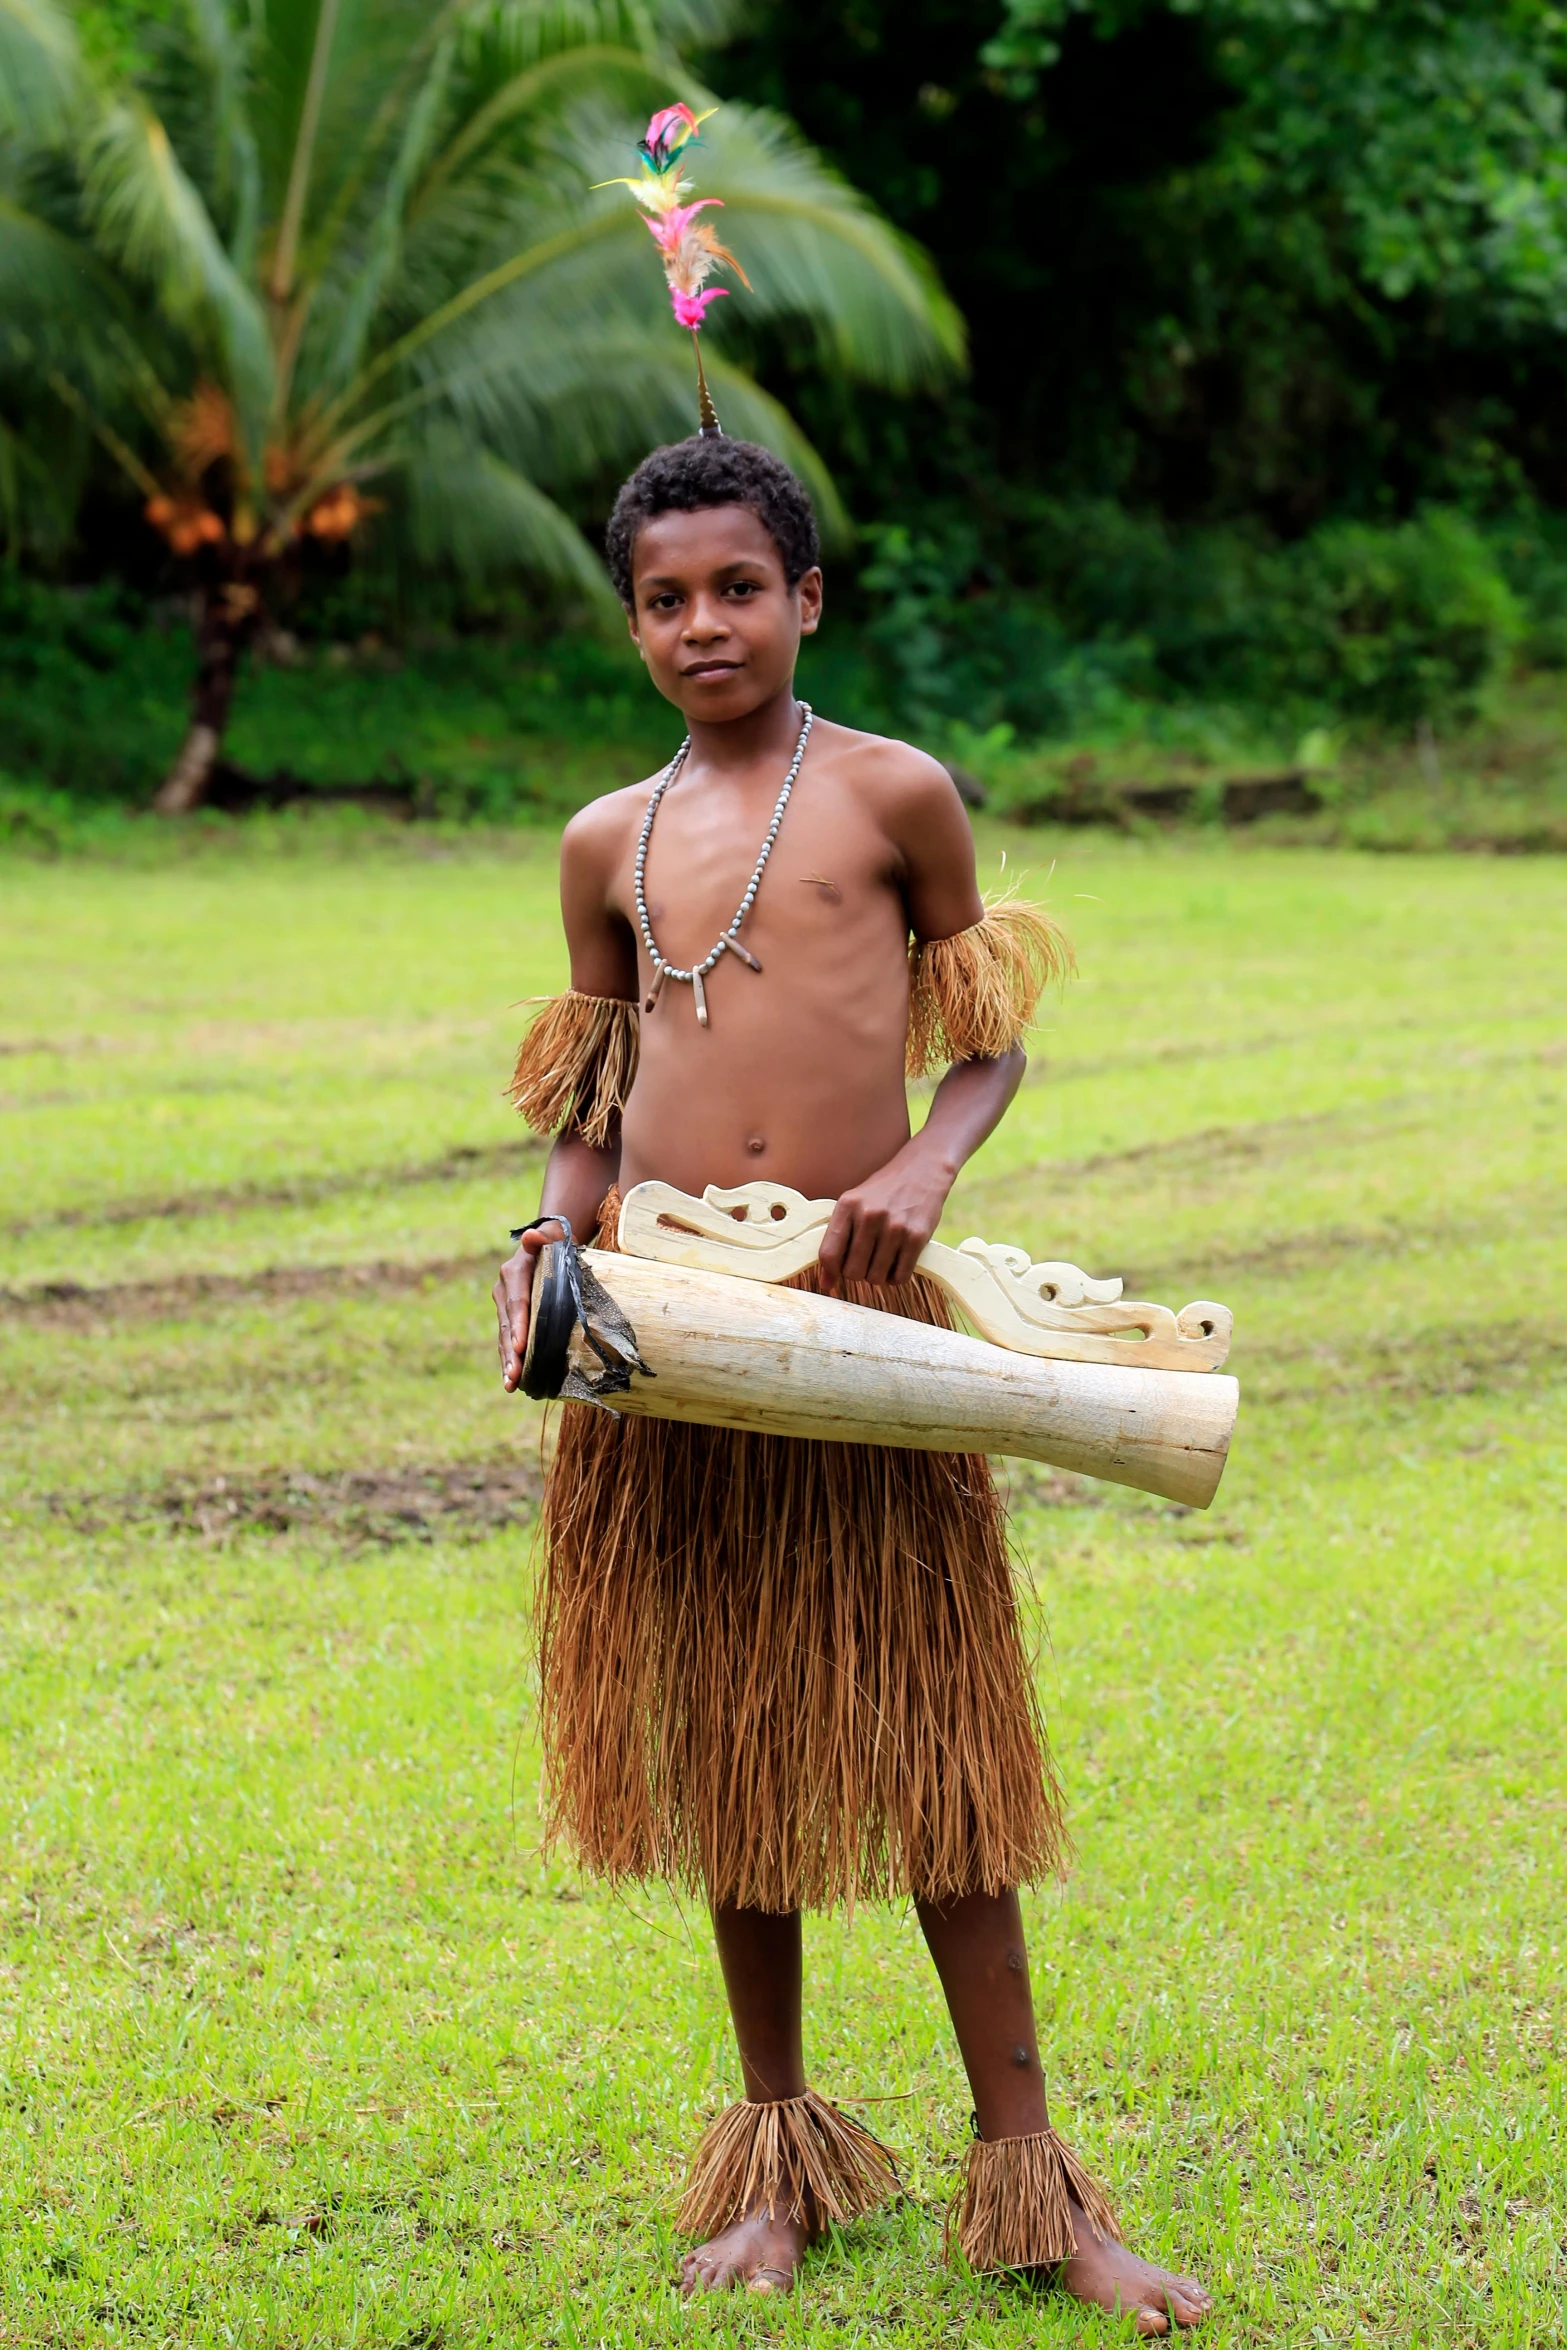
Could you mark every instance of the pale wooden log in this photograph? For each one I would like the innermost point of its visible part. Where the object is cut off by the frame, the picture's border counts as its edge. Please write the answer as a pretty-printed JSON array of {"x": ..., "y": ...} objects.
[
  {"x": 731, "y": 1353},
  {"x": 767, "y": 1232}
]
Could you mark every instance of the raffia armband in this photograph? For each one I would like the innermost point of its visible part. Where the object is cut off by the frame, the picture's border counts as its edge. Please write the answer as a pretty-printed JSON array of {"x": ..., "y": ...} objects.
[
  {"x": 972, "y": 997},
  {"x": 576, "y": 1064}
]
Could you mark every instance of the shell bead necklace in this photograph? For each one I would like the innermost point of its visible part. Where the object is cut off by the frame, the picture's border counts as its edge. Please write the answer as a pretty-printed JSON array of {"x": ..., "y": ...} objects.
[{"x": 728, "y": 941}]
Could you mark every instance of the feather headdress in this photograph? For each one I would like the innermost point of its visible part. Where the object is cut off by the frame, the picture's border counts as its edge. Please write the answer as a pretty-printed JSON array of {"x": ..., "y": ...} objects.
[{"x": 688, "y": 245}]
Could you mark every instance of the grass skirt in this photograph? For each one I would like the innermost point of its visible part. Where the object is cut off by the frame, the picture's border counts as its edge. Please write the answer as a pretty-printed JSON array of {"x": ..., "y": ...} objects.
[{"x": 786, "y": 1674}]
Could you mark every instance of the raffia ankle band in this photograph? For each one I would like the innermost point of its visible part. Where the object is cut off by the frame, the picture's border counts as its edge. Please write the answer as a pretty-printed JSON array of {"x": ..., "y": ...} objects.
[
  {"x": 799, "y": 2157},
  {"x": 1015, "y": 2206}
]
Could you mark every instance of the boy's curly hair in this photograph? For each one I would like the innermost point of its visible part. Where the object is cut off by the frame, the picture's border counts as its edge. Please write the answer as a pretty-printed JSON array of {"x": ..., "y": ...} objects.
[{"x": 693, "y": 474}]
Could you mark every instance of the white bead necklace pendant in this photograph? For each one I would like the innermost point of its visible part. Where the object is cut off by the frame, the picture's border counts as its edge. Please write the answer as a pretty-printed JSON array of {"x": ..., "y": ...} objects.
[{"x": 727, "y": 941}]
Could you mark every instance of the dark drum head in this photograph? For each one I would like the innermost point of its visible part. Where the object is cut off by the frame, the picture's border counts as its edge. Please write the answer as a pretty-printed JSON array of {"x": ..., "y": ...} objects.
[{"x": 550, "y": 1325}]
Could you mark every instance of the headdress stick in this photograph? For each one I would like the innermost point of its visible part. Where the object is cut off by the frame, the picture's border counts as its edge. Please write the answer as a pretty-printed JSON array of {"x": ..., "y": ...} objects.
[{"x": 707, "y": 415}]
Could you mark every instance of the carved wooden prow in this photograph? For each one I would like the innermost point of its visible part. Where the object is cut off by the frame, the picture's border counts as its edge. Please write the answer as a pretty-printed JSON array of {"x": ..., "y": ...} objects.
[{"x": 766, "y": 1232}]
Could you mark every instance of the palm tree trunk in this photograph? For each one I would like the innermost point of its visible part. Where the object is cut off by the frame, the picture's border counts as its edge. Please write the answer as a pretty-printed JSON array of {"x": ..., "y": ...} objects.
[{"x": 220, "y": 639}]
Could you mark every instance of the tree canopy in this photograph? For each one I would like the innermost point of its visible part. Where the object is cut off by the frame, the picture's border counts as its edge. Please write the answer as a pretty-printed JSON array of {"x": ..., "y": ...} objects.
[
  {"x": 1264, "y": 299},
  {"x": 288, "y": 264},
  {"x": 1276, "y": 258}
]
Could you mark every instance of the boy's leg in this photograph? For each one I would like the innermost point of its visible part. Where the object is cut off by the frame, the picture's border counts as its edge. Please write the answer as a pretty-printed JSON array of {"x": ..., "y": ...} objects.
[
  {"x": 760, "y": 1956},
  {"x": 977, "y": 1944}
]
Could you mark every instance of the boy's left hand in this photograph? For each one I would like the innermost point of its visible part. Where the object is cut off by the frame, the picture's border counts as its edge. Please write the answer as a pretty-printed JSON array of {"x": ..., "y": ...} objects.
[{"x": 880, "y": 1226}]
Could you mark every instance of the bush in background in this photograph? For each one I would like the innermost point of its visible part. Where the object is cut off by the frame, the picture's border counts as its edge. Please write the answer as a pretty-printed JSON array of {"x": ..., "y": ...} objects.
[
  {"x": 1157, "y": 655},
  {"x": 1379, "y": 628},
  {"x": 94, "y": 685},
  {"x": 1398, "y": 626}
]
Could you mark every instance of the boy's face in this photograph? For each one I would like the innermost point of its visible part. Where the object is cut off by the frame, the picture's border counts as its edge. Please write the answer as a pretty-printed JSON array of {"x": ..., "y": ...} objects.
[{"x": 712, "y": 614}]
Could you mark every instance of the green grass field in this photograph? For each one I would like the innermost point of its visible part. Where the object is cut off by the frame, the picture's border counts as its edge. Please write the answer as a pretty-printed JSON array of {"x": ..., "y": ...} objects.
[{"x": 303, "y": 2044}]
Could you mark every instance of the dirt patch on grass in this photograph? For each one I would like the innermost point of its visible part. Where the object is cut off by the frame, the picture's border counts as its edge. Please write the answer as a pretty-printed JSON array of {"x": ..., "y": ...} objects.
[
  {"x": 1317, "y": 1248},
  {"x": 1426, "y": 1366},
  {"x": 1286, "y": 1255},
  {"x": 1468, "y": 1362},
  {"x": 1209, "y": 1146},
  {"x": 1204, "y": 1152},
  {"x": 460, "y": 1501},
  {"x": 71, "y": 1305},
  {"x": 455, "y": 1166},
  {"x": 1026, "y": 1484}
]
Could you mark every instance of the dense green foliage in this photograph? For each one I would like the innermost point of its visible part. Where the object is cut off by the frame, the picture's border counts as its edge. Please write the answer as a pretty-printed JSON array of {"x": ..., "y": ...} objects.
[
  {"x": 95, "y": 692},
  {"x": 1276, "y": 258},
  {"x": 1266, "y": 302},
  {"x": 269, "y": 258},
  {"x": 460, "y": 726},
  {"x": 303, "y": 2042},
  {"x": 271, "y": 261},
  {"x": 1245, "y": 280},
  {"x": 1372, "y": 625}
]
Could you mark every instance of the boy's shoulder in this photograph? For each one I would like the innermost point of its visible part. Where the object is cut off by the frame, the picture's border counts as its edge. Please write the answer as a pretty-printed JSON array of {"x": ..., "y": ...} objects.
[
  {"x": 893, "y": 777},
  {"x": 599, "y": 830},
  {"x": 891, "y": 773},
  {"x": 904, "y": 794},
  {"x": 903, "y": 790}
]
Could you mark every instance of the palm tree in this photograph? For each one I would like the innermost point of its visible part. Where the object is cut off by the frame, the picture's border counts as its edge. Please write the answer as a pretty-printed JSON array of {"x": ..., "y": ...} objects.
[{"x": 302, "y": 261}]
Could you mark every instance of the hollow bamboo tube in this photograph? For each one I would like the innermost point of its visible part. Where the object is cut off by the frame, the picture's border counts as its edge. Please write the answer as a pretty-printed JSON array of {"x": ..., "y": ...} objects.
[{"x": 730, "y": 1353}]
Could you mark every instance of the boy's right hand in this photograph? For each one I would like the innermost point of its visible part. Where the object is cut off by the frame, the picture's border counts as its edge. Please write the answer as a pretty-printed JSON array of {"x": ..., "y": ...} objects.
[{"x": 513, "y": 1294}]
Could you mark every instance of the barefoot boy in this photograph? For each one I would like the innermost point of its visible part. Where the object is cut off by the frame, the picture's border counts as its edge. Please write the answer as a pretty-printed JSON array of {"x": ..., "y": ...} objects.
[{"x": 787, "y": 1673}]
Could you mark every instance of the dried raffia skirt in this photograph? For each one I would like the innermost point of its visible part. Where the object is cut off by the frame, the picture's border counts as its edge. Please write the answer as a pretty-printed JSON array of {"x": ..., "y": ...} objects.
[{"x": 782, "y": 1673}]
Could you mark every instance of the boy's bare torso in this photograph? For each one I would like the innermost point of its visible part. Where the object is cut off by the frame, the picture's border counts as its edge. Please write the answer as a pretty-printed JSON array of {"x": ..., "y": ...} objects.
[{"x": 799, "y": 1076}]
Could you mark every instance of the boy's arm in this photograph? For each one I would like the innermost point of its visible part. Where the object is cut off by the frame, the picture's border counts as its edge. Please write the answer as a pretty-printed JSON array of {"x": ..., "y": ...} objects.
[
  {"x": 577, "y": 1176},
  {"x": 879, "y": 1226}
]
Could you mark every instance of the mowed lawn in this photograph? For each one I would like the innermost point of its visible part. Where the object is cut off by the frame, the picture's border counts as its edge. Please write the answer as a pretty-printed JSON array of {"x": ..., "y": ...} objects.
[{"x": 302, "y": 2044}]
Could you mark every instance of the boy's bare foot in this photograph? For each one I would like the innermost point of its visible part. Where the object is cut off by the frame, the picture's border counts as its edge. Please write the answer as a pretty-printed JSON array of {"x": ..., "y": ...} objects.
[
  {"x": 760, "y": 2253},
  {"x": 1115, "y": 2279}
]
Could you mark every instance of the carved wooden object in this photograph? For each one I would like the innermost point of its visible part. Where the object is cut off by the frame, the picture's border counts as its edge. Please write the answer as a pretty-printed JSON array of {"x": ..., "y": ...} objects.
[{"x": 766, "y": 1232}]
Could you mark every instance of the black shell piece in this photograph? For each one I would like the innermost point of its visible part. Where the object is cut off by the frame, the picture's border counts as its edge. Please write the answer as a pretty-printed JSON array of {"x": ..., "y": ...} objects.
[{"x": 550, "y": 1324}]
